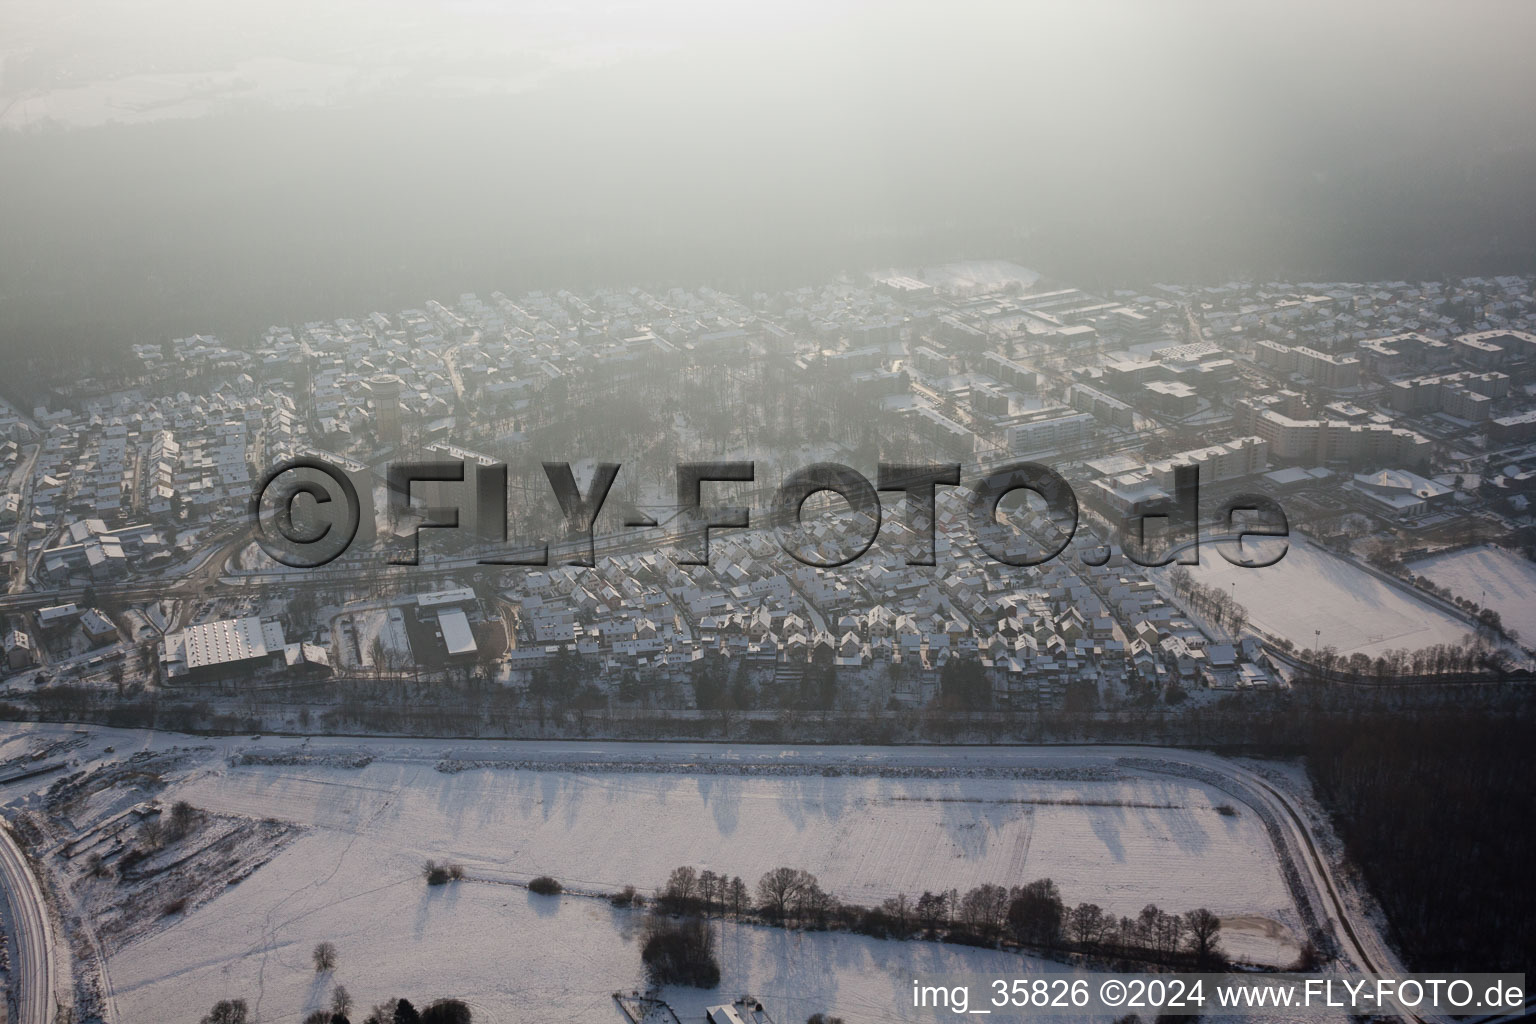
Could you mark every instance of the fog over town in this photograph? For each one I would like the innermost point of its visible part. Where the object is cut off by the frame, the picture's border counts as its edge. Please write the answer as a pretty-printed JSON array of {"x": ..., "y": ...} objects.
[{"x": 748, "y": 514}]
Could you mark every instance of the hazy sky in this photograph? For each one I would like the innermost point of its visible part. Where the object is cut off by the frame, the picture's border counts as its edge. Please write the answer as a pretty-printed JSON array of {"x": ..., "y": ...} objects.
[
  {"x": 1291, "y": 65},
  {"x": 237, "y": 163}
]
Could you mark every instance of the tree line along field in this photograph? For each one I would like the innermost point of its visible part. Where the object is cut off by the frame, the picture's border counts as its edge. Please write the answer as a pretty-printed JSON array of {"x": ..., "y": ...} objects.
[{"x": 1491, "y": 576}]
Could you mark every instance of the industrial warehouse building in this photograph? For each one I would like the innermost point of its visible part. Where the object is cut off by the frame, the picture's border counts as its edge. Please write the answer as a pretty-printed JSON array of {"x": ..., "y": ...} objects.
[{"x": 217, "y": 648}]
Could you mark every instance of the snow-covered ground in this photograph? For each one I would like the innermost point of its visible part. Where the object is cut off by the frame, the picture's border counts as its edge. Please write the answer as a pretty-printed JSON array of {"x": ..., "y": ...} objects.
[
  {"x": 1491, "y": 576},
  {"x": 869, "y": 822},
  {"x": 1123, "y": 844},
  {"x": 511, "y": 955},
  {"x": 1311, "y": 590}
]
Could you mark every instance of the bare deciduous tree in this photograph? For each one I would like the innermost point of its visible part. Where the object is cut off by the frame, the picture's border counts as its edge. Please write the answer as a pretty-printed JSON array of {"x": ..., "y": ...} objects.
[
  {"x": 325, "y": 957},
  {"x": 777, "y": 889},
  {"x": 1204, "y": 939}
]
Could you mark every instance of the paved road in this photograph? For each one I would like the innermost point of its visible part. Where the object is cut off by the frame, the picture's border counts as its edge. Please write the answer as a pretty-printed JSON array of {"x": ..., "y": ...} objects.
[
  {"x": 1357, "y": 937},
  {"x": 31, "y": 938}
]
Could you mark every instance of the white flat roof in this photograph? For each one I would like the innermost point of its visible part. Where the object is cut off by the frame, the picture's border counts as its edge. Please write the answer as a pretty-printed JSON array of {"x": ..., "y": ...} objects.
[{"x": 457, "y": 636}]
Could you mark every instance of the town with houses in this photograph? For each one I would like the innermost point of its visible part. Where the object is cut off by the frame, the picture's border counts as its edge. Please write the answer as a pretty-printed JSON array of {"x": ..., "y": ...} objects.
[
  {"x": 1394, "y": 422},
  {"x": 798, "y": 513}
]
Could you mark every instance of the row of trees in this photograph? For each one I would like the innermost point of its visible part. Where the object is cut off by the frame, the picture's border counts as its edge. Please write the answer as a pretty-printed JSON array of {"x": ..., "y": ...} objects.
[
  {"x": 691, "y": 891},
  {"x": 1212, "y": 602},
  {"x": 391, "y": 1011},
  {"x": 1035, "y": 915},
  {"x": 1488, "y": 619},
  {"x": 1472, "y": 656},
  {"x": 1032, "y": 915}
]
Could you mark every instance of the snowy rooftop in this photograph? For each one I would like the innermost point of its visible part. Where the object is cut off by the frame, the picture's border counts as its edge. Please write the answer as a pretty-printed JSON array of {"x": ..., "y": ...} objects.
[
  {"x": 456, "y": 632},
  {"x": 215, "y": 643}
]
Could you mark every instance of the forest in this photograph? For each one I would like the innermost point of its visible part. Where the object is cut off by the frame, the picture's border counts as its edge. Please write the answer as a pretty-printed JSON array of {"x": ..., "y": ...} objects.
[{"x": 1438, "y": 815}]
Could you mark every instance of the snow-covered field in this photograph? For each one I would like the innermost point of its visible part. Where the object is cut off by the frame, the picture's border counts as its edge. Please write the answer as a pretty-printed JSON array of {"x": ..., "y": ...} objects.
[
  {"x": 356, "y": 879},
  {"x": 1491, "y": 576},
  {"x": 1311, "y": 590},
  {"x": 511, "y": 955},
  {"x": 1146, "y": 839},
  {"x": 870, "y": 822}
]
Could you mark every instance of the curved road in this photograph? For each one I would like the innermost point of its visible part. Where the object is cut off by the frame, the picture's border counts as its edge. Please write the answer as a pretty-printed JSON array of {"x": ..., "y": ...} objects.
[
  {"x": 31, "y": 938},
  {"x": 1358, "y": 940}
]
